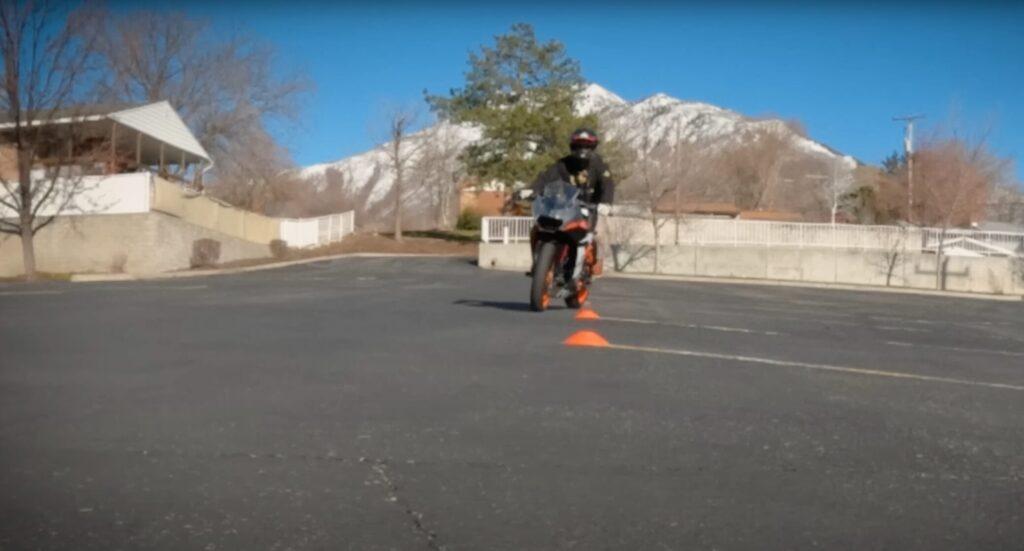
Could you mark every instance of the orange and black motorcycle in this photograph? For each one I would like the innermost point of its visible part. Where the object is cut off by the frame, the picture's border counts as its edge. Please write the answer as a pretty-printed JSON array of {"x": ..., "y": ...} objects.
[{"x": 564, "y": 234}]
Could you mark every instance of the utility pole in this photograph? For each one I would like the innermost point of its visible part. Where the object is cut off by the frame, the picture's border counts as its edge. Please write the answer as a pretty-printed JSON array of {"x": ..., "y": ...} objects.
[{"x": 908, "y": 149}]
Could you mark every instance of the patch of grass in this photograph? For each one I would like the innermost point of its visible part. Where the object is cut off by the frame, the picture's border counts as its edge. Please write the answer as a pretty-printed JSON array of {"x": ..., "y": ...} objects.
[
  {"x": 460, "y": 236},
  {"x": 415, "y": 243}
]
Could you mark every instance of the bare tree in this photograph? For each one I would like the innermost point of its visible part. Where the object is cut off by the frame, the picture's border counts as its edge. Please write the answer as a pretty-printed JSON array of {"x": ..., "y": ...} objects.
[
  {"x": 888, "y": 200},
  {"x": 893, "y": 254},
  {"x": 954, "y": 176},
  {"x": 400, "y": 152},
  {"x": 687, "y": 167},
  {"x": 440, "y": 171},
  {"x": 650, "y": 181},
  {"x": 225, "y": 89},
  {"x": 1006, "y": 204},
  {"x": 756, "y": 166},
  {"x": 47, "y": 58},
  {"x": 253, "y": 175}
]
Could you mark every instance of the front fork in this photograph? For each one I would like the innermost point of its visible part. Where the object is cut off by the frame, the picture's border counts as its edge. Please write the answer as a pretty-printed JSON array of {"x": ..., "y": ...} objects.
[
  {"x": 582, "y": 257},
  {"x": 585, "y": 254}
]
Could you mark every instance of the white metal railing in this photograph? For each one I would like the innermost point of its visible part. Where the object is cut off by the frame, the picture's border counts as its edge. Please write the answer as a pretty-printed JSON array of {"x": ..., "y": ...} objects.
[
  {"x": 505, "y": 229},
  {"x": 315, "y": 232},
  {"x": 711, "y": 231}
]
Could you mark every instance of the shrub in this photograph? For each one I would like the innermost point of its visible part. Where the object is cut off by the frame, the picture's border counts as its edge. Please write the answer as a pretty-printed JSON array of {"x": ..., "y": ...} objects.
[
  {"x": 468, "y": 220},
  {"x": 279, "y": 248},
  {"x": 205, "y": 253}
]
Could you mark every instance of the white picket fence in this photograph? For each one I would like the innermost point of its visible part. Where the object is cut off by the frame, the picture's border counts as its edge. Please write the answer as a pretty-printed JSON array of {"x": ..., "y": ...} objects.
[
  {"x": 713, "y": 231},
  {"x": 315, "y": 232}
]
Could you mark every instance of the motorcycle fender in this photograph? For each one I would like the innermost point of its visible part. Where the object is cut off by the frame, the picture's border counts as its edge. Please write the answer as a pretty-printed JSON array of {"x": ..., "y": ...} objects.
[{"x": 581, "y": 252}]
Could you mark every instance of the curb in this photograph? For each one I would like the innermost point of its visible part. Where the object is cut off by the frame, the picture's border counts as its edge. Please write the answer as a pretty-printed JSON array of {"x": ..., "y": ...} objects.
[
  {"x": 97, "y": 278},
  {"x": 817, "y": 285},
  {"x": 105, "y": 278}
]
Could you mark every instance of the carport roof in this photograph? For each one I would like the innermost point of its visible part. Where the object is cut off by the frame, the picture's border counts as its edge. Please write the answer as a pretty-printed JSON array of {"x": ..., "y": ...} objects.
[{"x": 157, "y": 120}]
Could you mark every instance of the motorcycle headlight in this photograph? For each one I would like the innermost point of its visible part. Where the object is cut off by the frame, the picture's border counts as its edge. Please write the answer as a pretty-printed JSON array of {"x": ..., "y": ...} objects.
[{"x": 549, "y": 223}]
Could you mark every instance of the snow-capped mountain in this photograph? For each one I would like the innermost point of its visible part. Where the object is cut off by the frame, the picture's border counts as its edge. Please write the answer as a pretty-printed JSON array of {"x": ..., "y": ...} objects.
[
  {"x": 662, "y": 118},
  {"x": 665, "y": 119}
]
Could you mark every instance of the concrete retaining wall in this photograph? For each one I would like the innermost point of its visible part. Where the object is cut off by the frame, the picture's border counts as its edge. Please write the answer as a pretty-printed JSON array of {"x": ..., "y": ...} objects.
[
  {"x": 990, "y": 275},
  {"x": 148, "y": 243},
  {"x": 208, "y": 213}
]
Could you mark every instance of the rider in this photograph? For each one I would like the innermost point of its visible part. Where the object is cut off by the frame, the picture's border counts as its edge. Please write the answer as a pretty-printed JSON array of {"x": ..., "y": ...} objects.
[{"x": 583, "y": 168}]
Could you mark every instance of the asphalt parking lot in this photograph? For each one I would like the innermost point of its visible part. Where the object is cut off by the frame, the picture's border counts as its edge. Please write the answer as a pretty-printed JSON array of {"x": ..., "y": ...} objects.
[{"x": 400, "y": 403}]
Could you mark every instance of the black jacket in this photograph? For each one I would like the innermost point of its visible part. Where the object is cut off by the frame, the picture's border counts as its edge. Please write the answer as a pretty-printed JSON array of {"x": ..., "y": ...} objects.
[{"x": 595, "y": 179}]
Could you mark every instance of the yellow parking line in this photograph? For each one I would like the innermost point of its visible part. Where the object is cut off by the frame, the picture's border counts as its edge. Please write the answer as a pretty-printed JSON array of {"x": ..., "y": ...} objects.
[{"x": 820, "y": 367}]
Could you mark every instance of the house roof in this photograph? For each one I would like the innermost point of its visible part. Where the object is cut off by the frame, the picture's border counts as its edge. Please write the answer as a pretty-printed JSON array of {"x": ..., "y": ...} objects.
[
  {"x": 1001, "y": 226},
  {"x": 770, "y": 215},
  {"x": 157, "y": 120},
  {"x": 667, "y": 204}
]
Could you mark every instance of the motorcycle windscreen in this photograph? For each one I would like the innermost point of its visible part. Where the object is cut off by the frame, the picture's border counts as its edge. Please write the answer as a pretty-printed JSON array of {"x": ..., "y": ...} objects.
[{"x": 559, "y": 201}]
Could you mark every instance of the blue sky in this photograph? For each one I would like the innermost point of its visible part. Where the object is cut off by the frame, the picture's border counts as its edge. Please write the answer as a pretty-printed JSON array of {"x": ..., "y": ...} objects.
[{"x": 842, "y": 70}]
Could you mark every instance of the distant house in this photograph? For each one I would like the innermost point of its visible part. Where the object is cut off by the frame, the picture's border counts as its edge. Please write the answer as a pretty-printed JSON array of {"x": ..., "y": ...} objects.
[
  {"x": 667, "y": 205},
  {"x": 710, "y": 209},
  {"x": 482, "y": 202},
  {"x": 770, "y": 216}
]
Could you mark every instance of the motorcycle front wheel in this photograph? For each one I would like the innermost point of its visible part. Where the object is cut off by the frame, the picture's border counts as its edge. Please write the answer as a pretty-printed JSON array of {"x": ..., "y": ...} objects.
[{"x": 543, "y": 277}]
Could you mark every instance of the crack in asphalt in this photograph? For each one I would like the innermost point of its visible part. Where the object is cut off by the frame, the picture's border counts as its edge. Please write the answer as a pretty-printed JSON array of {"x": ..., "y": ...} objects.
[
  {"x": 604, "y": 469},
  {"x": 379, "y": 469}
]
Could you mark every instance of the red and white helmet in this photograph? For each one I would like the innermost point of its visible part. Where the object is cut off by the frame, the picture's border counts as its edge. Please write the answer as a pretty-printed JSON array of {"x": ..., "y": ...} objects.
[{"x": 583, "y": 138}]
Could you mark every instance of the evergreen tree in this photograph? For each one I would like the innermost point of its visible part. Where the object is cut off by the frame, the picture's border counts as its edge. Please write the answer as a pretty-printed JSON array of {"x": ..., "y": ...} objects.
[
  {"x": 894, "y": 163},
  {"x": 521, "y": 92}
]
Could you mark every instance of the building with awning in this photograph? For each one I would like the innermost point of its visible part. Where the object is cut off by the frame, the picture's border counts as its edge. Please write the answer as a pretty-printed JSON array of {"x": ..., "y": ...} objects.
[
  {"x": 114, "y": 140},
  {"x": 124, "y": 193}
]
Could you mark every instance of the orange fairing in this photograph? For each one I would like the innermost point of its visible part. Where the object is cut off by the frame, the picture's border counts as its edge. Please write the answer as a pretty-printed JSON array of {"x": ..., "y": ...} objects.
[{"x": 576, "y": 225}]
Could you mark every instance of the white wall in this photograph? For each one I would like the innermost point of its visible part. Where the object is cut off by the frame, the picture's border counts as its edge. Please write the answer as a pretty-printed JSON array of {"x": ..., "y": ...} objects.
[
  {"x": 990, "y": 275},
  {"x": 321, "y": 230},
  {"x": 113, "y": 194}
]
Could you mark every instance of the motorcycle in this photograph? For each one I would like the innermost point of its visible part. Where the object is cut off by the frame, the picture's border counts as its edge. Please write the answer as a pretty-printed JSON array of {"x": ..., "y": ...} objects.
[{"x": 564, "y": 235}]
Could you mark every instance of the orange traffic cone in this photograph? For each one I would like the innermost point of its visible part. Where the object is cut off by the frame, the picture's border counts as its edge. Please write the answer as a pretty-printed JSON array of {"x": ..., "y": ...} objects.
[
  {"x": 587, "y": 314},
  {"x": 585, "y": 338}
]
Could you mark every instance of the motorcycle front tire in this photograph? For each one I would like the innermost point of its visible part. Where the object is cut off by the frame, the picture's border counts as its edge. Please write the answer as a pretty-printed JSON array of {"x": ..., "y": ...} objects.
[{"x": 543, "y": 276}]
